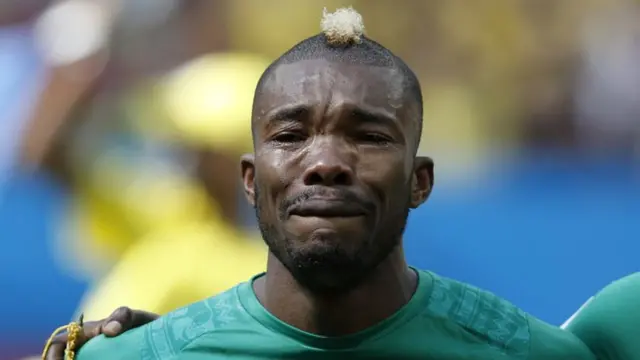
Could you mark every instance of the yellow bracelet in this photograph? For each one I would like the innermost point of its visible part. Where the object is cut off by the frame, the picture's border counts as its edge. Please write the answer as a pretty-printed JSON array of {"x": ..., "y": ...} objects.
[{"x": 74, "y": 329}]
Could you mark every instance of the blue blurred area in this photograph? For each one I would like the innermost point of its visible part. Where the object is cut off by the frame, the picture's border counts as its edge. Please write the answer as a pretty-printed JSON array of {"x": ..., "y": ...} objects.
[
  {"x": 37, "y": 295},
  {"x": 543, "y": 232},
  {"x": 21, "y": 76}
]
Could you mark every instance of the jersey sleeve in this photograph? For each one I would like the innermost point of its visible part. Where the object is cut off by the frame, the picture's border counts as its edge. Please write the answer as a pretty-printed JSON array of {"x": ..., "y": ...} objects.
[
  {"x": 549, "y": 342},
  {"x": 610, "y": 323}
]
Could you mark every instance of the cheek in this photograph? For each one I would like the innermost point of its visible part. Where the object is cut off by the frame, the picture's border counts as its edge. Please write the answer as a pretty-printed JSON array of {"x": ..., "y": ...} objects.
[
  {"x": 387, "y": 177},
  {"x": 271, "y": 181}
]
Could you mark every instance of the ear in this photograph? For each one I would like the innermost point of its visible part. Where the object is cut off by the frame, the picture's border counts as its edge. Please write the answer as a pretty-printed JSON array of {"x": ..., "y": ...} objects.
[
  {"x": 422, "y": 181},
  {"x": 248, "y": 177}
]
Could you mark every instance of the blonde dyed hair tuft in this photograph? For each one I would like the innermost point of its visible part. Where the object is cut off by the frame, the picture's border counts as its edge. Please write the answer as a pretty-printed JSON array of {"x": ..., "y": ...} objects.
[{"x": 343, "y": 27}]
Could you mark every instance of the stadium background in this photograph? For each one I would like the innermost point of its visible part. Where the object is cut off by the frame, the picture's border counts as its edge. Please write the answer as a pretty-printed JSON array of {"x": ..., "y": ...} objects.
[{"x": 531, "y": 114}]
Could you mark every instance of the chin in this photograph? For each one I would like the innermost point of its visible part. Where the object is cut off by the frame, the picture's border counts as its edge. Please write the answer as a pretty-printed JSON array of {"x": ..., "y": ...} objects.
[
  {"x": 319, "y": 249},
  {"x": 323, "y": 266},
  {"x": 327, "y": 246},
  {"x": 327, "y": 280}
]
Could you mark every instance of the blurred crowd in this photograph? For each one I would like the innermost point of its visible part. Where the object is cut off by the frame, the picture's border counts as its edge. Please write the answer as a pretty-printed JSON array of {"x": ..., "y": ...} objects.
[{"x": 138, "y": 111}]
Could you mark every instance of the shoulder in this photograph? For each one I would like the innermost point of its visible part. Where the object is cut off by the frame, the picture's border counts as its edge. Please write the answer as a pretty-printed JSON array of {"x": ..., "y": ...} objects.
[
  {"x": 493, "y": 320},
  {"x": 616, "y": 304},
  {"x": 125, "y": 346},
  {"x": 170, "y": 334},
  {"x": 609, "y": 321},
  {"x": 551, "y": 342},
  {"x": 481, "y": 313}
]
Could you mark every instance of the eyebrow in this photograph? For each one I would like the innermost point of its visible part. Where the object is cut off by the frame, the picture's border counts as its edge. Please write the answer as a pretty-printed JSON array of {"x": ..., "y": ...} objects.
[
  {"x": 300, "y": 112},
  {"x": 288, "y": 112},
  {"x": 372, "y": 116}
]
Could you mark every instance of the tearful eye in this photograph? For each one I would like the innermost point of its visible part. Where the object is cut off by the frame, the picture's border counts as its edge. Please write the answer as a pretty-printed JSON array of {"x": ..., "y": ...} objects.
[
  {"x": 289, "y": 137},
  {"x": 374, "y": 138}
]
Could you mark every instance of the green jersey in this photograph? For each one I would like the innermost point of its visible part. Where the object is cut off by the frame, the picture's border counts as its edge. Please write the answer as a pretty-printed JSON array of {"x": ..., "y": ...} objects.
[
  {"x": 610, "y": 322},
  {"x": 445, "y": 319}
]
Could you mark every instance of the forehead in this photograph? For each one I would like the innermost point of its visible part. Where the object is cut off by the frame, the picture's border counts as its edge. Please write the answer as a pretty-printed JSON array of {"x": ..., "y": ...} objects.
[{"x": 332, "y": 84}]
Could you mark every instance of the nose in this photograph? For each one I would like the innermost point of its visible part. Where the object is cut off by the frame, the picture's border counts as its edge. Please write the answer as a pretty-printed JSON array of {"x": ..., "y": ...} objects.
[{"x": 327, "y": 168}]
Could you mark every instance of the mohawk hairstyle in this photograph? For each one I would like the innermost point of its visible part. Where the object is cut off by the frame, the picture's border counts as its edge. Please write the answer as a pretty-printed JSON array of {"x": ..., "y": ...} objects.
[{"x": 342, "y": 40}]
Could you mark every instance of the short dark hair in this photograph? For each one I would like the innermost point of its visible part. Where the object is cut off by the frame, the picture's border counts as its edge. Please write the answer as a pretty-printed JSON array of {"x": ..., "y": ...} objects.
[{"x": 360, "y": 50}]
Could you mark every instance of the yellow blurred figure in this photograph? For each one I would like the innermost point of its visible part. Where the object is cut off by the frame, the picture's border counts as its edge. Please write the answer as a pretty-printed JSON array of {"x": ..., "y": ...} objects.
[{"x": 178, "y": 239}]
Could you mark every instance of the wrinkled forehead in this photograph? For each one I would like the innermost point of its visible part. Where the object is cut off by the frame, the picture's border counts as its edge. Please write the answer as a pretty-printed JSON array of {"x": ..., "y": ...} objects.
[{"x": 324, "y": 83}]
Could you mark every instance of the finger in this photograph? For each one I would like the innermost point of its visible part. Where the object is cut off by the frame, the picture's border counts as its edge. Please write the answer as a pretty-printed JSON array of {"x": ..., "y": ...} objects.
[
  {"x": 117, "y": 322},
  {"x": 91, "y": 329},
  {"x": 124, "y": 319},
  {"x": 56, "y": 352},
  {"x": 140, "y": 318}
]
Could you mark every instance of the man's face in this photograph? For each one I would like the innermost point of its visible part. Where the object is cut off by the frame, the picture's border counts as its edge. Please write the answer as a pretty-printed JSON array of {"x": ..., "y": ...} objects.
[{"x": 334, "y": 173}]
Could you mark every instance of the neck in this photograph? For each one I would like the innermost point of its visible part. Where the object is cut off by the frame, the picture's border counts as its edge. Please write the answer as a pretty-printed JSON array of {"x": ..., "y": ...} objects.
[{"x": 390, "y": 286}]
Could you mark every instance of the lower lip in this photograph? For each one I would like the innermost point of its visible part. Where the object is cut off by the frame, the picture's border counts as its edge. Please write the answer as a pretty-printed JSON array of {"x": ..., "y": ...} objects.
[
  {"x": 344, "y": 216},
  {"x": 328, "y": 219}
]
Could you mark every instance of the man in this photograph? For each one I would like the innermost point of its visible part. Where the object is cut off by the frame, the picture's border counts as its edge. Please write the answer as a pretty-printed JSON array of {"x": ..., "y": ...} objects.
[
  {"x": 336, "y": 123},
  {"x": 609, "y": 322}
]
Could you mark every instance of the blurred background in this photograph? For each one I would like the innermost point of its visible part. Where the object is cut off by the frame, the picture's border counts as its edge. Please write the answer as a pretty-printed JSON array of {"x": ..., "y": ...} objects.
[{"x": 123, "y": 120}]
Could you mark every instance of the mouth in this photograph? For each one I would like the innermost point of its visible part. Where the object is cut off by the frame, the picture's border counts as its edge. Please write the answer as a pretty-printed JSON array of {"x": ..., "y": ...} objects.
[{"x": 325, "y": 208}]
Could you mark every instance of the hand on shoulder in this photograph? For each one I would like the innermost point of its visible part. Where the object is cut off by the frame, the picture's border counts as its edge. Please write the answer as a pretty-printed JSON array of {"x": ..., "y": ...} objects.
[{"x": 121, "y": 320}]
